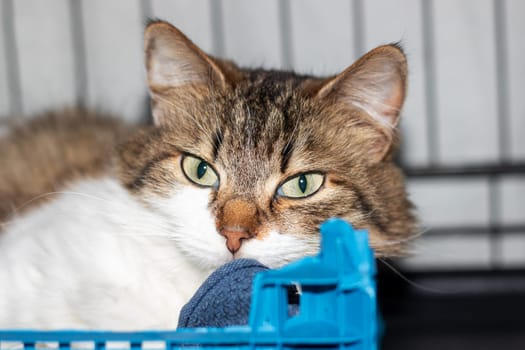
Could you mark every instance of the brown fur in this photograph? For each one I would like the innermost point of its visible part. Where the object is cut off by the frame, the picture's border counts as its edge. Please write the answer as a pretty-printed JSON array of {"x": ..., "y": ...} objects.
[
  {"x": 257, "y": 119},
  {"x": 257, "y": 129},
  {"x": 50, "y": 151}
]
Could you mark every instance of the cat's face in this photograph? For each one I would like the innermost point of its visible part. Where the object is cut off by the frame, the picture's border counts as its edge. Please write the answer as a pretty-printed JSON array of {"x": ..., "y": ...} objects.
[{"x": 248, "y": 163}]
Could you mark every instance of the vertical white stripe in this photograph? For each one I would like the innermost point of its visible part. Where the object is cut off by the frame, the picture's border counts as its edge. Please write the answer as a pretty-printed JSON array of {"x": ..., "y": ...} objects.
[
  {"x": 251, "y": 30},
  {"x": 516, "y": 46},
  {"x": 45, "y": 54},
  {"x": 115, "y": 68},
  {"x": 466, "y": 81},
  {"x": 4, "y": 82},
  {"x": 322, "y": 36}
]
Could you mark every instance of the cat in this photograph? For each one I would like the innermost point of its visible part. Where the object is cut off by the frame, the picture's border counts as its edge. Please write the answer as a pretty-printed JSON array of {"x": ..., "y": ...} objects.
[{"x": 239, "y": 163}]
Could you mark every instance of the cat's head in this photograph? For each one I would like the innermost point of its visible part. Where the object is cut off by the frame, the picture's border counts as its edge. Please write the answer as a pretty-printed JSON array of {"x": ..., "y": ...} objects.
[{"x": 249, "y": 162}]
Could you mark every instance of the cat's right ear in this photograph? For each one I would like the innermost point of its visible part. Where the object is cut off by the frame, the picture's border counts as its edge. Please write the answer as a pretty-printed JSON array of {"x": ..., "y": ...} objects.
[
  {"x": 375, "y": 85},
  {"x": 178, "y": 71}
]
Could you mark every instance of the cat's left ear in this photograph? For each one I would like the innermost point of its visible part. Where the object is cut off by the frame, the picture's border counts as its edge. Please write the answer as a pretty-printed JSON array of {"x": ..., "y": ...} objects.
[{"x": 376, "y": 86}]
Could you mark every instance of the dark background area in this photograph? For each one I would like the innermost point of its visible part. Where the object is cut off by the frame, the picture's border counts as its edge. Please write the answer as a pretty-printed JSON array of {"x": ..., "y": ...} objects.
[{"x": 453, "y": 309}]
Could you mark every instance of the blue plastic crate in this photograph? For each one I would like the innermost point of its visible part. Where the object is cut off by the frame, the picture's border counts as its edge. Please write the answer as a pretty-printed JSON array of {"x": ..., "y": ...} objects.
[{"x": 337, "y": 308}]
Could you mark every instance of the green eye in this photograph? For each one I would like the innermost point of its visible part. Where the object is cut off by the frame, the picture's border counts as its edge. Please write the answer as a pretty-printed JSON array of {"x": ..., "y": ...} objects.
[
  {"x": 301, "y": 186},
  {"x": 199, "y": 172}
]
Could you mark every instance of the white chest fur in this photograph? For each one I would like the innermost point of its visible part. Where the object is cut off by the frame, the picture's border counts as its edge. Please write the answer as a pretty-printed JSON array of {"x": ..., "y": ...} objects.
[{"x": 93, "y": 258}]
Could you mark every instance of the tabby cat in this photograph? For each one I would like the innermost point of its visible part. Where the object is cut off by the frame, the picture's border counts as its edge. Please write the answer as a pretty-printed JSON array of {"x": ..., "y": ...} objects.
[{"x": 240, "y": 163}]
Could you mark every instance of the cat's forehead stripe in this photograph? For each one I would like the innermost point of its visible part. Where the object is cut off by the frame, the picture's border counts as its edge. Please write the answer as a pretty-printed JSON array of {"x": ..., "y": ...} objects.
[
  {"x": 217, "y": 142},
  {"x": 286, "y": 154}
]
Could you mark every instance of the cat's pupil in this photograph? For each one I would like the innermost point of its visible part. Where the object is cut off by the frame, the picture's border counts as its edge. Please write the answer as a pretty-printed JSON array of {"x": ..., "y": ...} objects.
[
  {"x": 302, "y": 183},
  {"x": 201, "y": 169}
]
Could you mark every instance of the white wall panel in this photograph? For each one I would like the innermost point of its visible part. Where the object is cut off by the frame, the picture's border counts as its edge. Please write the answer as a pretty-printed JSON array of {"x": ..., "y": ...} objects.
[
  {"x": 4, "y": 94},
  {"x": 319, "y": 37},
  {"x": 451, "y": 251},
  {"x": 466, "y": 80},
  {"x": 516, "y": 53},
  {"x": 45, "y": 54},
  {"x": 114, "y": 58},
  {"x": 401, "y": 21},
  {"x": 193, "y": 17},
  {"x": 513, "y": 200},
  {"x": 513, "y": 250},
  {"x": 322, "y": 36},
  {"x": 252, "y": 35},
  {"x": 444, "y": 202}
]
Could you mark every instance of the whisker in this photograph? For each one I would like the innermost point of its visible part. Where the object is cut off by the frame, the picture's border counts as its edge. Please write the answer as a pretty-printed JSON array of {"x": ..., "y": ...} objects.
[
  {"x": 47, "y": 194},
  {"x": 43, "y": 195},
  {"x": 415, "y": 284},
  {"x": 409, "y": 238}
]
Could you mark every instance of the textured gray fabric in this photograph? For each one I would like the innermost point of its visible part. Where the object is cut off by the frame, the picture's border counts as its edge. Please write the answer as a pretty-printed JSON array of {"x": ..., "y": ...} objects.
[{"x": 224, "y": 298}]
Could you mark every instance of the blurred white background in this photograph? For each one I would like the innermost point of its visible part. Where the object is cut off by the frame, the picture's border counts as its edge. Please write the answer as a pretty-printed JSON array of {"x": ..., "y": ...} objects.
[{"x": 466, "y": 102}]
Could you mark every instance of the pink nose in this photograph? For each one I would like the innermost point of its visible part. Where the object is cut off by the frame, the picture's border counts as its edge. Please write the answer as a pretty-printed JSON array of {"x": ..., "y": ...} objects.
[{"x": 234, "y": 238}]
